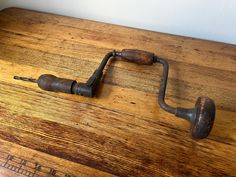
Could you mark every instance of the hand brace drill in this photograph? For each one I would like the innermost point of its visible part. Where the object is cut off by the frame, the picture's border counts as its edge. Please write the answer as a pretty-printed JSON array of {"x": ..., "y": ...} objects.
[{"x": 201, "y": 116}]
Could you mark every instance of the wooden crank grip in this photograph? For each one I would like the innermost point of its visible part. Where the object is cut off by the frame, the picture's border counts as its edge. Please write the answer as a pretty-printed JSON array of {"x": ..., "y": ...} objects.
[{"x": 137, "y": 56}]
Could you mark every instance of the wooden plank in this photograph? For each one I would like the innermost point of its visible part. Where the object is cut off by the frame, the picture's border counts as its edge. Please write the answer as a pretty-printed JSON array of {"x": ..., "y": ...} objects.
[
  {"x": 122, "y": 131},
  {"x": 27, "y": 159}
]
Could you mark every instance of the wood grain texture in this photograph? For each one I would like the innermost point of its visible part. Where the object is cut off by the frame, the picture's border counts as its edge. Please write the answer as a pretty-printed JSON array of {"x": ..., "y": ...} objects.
[{"x": 122, "y": 131}]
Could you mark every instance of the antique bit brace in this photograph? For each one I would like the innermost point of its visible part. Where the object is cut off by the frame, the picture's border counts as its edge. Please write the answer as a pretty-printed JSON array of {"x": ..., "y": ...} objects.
[{"x": 201, "y": 116}]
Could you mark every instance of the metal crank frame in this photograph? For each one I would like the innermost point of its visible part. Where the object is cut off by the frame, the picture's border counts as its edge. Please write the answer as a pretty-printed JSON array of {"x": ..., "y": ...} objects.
[{"x": 201, "y": 116}]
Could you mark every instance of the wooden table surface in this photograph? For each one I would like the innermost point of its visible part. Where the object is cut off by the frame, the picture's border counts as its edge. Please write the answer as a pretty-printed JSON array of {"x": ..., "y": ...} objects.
[{"x": 122, "y": 131}]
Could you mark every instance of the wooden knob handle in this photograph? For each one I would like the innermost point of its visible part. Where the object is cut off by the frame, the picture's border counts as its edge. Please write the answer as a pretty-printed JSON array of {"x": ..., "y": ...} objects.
[
  {"x": 204, "y": 118},
  {"x": 138, "y": 56},
  {"x": 201, "y": 117}
]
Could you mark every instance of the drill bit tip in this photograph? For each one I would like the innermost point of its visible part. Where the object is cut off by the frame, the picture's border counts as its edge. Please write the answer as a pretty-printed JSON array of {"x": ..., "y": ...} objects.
[{"x": 25, "y": 79}]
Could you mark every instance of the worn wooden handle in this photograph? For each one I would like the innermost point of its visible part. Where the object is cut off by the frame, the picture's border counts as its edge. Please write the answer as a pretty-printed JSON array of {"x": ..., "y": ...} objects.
[
  {"x": 50, "y": 82},
  {"x": 138, "y": 56},
  {"x": 203, "y": 120}
]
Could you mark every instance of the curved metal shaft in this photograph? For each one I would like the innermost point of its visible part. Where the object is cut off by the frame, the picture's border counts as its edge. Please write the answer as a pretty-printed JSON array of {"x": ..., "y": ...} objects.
[
  {"x": 162, "y": 90},
  {"x": 164, "y": 78}
]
